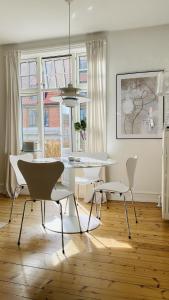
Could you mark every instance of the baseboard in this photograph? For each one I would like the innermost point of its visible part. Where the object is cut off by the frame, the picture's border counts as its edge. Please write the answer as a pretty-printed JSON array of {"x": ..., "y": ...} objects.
[{"x": 139, "y": 196}]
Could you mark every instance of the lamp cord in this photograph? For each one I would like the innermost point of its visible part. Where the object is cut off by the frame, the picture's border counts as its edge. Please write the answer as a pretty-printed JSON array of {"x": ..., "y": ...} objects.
[{"x": 69, "y": 44}]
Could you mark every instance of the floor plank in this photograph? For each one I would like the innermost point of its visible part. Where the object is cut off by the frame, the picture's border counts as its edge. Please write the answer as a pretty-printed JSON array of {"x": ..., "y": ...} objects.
[{"x": 103, "y": 264}]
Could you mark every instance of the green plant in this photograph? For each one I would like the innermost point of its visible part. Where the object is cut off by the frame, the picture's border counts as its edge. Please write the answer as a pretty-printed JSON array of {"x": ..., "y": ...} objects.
[{"x": 81, "y": 127}]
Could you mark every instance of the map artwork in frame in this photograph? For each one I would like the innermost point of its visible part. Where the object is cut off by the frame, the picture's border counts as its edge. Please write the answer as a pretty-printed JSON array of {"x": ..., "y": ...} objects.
[{"x": 139, "y": 111}]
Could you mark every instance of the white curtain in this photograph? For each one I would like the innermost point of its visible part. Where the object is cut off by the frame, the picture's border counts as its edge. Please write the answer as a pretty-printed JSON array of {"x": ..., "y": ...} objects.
[
  {"x": 96, "y": 109},
  {"x": 12, "y": 113}
]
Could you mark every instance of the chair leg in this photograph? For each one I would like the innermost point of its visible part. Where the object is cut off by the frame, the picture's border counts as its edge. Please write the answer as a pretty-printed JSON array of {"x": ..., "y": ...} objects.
[
  {"x": 23, "y": 214},
  {"x": 101, "y": 201},
  {"x": 31, "y": 206},
  {"x": 98, "y": 215},
  {"x": 61, "y": 215},
  {"x": 107, "y": 201},
  {"x": 13, "y": 199},
  {"x": 90, "y": 211},
  {"x": 133, "y": 206},
  {"x": 77, "y": 213},
  {"x": 10, "y": 217},
  {"x": 44, "y": 214},
  {"x": 127, "y": 219},
  {"x": 41, "y": 204}
]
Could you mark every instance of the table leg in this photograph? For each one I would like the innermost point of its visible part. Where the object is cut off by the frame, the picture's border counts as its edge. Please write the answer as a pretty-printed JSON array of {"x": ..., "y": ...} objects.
[
  {"x": 70, "y": 220},
  {"x": 69, "y": 181}
]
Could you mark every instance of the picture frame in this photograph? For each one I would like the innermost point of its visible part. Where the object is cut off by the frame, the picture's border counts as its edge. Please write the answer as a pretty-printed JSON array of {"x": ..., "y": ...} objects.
[{"x": 139, "y": 111}]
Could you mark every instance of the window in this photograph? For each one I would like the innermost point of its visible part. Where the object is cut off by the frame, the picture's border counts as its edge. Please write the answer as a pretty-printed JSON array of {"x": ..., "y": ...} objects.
[
  {"x": 82, "y": 74},
  {"x": 28, "y": 74},
  {"x": 82, "y": 69},
  {"x": 30, "y": 131},
  {"x": 32, "y": 117},
  {"x": 44, "y": 119},
  {"x": 56, "y": 72},
  {"x": 83, "y": 111}
]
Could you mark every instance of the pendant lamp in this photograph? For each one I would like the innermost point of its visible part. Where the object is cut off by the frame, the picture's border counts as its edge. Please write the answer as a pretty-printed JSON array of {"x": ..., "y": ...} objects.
[{"x": 70, "y": 94}]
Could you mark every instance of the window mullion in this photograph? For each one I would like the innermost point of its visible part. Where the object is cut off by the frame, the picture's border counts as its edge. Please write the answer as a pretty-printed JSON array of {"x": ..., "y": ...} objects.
[{"x": 40, "y": 105}]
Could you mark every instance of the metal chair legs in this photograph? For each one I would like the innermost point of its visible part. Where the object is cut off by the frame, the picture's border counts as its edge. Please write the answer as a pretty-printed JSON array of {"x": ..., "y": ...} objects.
[
  {"x": 23, "y": 214},
  {"x": 90, "y": 211},
  {"x": 42, "y": 213},
  {"x": 132, "y": 199},
  {"x": 61, "y": 216},
  {"x": 77, "y": 213},
  {"x": 11, "y": 210},
  {"x": 32, "y": 206},
  {"x": 17, "y": 190},
  {"x": 127, "y": 220}
]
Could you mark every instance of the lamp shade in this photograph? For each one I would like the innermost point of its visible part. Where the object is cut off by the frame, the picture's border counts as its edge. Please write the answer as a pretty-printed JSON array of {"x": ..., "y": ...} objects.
[
  {"x": 70, "y": 97},
  {"x": 163, "y": 84}
]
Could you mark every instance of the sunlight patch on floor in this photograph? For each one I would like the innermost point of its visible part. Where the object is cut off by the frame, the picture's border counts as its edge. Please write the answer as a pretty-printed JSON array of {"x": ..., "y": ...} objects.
[
  {"x": 70, "y": 250},
  {"x": 102, "y": 242}
]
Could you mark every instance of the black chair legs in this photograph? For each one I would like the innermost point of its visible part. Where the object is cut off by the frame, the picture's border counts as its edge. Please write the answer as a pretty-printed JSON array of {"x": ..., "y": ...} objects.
[
  {"x": 133, "y": 203},
  {"x": 90, "y": 211},
  {"x": 17, "y": 190},
  {"x": 61, "y": 216},
  {"x": 77, "y": 213},
  {"x": 126, "y": 213},
  {"x": 23, "y": 214}
]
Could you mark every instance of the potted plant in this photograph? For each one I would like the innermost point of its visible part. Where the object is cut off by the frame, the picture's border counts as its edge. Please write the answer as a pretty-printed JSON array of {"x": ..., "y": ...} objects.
[{"x": 81, "y": 128}]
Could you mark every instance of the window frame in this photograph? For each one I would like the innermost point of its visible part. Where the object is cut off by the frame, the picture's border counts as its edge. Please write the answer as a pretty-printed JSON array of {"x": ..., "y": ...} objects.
[{"x": 39, "y": 90}]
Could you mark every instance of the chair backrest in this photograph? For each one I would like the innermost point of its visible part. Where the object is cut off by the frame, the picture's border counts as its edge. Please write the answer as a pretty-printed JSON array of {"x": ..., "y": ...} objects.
[
  {"x": 131, "y": 167},
  {"x": 14, "y": 160},
  {"x": 41, "y": 177}
]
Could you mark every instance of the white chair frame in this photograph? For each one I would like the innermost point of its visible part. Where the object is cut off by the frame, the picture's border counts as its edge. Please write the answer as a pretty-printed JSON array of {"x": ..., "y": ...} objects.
[
  {"x": 20, "y": 181},
  {"x": 41, "y": 180},
  {"x": 106, "y": 188}
]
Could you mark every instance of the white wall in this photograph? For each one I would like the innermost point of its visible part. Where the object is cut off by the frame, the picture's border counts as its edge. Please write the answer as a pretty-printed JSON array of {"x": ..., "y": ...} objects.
[{"x": 129, "y": 51}]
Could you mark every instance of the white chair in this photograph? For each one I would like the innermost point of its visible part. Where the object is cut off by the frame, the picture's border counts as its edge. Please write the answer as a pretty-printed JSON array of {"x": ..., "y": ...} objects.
[
  {"x": 41, "y": 180},
  {"x": 90, "y": 175},
  {"x": 121, "y": 188},
  {"x": 20, "y": 181}
]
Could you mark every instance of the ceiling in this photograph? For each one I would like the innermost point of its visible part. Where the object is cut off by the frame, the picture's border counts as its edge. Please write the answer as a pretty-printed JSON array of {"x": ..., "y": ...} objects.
[{"x": 23, "y": 20}]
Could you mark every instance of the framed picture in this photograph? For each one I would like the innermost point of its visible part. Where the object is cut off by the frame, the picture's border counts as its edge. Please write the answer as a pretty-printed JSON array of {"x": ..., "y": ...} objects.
[{"x": 139, "y": 111}]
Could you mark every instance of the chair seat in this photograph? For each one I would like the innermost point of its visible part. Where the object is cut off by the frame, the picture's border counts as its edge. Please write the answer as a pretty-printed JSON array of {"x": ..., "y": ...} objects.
[
  {"x": 114, "y": 186},
  {"x": 60, "y": 192},
  {"x": 84, "y": 180}
]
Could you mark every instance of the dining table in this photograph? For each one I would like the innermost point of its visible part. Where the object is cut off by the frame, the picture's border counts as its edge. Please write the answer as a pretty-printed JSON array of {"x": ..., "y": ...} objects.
[{"x": 70, "y": 221}]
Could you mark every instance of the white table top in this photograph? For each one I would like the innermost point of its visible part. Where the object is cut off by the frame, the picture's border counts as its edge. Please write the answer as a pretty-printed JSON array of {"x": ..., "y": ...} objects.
[{"x": 85, "y": 162}]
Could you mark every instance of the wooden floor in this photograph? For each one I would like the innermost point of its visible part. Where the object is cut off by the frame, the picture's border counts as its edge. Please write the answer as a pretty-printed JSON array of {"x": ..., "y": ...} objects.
[{"x": 102, "y": 264}]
